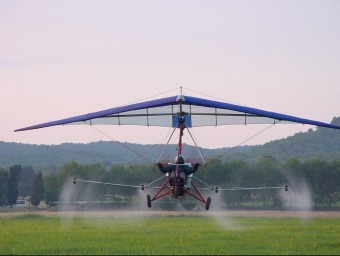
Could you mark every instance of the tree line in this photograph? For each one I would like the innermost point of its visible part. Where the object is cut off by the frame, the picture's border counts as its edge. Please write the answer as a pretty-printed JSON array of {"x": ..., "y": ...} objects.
[
  {"x": 23, "y": 182},
  {"x": 321, "y": 179}
]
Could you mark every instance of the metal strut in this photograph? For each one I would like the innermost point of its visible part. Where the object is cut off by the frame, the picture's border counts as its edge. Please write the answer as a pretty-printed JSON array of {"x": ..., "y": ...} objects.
[
  {"x": 162, "y": 191},
  {"x": 199, "y": 197}
]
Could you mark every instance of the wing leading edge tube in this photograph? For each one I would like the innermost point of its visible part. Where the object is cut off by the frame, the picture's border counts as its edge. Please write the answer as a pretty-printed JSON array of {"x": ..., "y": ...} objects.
[{"x": 197, "y": 111}]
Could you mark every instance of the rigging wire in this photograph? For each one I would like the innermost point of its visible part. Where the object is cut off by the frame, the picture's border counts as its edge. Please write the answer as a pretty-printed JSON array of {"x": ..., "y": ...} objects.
[
  {"x": 195, "y": 138},
  {"x": 198, "y": 150},
  {"x": 211, "y": 96},
  {"x": 124, "y": 145},
  {"x": 206, "y": 184},
  {"x": 165, "y": 145},
  {"x": 162, "y": 151},
  {"x": 156, "y": 95},
  {"x": 149, "y": 185},
  {"x": 240, "y": 144},
  {"x": 120, "y": 143}
]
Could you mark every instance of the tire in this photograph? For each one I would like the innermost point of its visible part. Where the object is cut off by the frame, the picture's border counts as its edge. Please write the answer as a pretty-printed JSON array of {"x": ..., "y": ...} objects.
[
  {"x": 207, "y": 205},
  {"x": 148, "y": 199},
  {"x": 177, "y": 190}
]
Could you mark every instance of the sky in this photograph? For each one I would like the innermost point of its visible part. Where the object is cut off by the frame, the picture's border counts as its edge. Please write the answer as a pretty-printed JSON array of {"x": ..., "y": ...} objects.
[{"x": 64, "y": 58}]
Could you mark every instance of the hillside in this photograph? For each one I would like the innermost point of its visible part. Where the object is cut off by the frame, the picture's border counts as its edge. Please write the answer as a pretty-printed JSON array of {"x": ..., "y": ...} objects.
[
  {"x": 104, "y": 152},
  {"x": 322, "y": 142}
]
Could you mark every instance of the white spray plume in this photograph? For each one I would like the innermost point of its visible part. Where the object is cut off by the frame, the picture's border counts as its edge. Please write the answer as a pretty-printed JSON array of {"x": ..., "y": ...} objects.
[
  {"x": 219, "y": 214},
  {"x": 298, "y": 197}
]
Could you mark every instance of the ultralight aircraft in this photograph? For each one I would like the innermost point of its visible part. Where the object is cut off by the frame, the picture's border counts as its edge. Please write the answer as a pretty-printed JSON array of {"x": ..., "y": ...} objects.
[{"x": 181, "y": 112}]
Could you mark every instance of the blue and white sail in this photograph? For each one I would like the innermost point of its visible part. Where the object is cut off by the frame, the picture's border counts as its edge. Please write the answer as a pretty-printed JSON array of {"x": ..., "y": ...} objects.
[{"x": 196, "y": 112}]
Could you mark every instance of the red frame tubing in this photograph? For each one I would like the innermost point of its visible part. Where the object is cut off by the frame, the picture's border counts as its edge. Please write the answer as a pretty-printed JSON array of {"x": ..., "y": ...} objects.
[
  {"x": 199, "y": 197},
  {"x": 181, "y": 127},
  {"x": 160, "y": 190}
]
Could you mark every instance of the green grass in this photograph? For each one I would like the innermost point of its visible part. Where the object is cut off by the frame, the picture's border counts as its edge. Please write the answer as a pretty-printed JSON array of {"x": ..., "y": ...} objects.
[{"x": 32, "y": 234}]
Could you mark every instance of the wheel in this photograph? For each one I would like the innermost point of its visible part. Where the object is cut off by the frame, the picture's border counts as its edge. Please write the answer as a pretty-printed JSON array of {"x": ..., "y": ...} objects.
[
  {"x": 177, "y": 190},
  {"x": 207, "y": 205},
  {"x": 148, "y": 199}
]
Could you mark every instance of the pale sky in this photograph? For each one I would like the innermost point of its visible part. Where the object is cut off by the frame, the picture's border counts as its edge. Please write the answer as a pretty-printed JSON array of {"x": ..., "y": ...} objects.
[{"x": 64, "y": 58}]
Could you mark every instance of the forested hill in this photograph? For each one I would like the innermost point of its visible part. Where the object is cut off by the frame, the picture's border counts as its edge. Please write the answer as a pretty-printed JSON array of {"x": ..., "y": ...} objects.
[
  {"x": 104, "y": 152},
  {"x": 322, "y": 142}
]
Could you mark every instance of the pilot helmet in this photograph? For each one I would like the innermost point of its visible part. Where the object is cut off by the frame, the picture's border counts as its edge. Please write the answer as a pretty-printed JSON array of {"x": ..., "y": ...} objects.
[{"x": 179, "y": 159}]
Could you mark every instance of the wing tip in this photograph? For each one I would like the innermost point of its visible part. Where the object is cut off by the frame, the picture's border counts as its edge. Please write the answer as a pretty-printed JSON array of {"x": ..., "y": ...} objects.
[{"x": 20, "y": 130}]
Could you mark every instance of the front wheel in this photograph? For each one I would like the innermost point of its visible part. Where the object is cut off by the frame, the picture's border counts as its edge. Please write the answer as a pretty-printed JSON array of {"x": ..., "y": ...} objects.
[
  {"x": 177, "y": 191},
  {"x": 207, "y": 204},
  {"x": 148, "y": 199}
]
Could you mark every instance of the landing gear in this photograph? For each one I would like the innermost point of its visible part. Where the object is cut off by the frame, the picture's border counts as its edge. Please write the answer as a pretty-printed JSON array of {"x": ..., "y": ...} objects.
[
  {"x": 148, "y": 199},
  {"x": 177, "y": 190},
  {"x": 207, "y": 205}
]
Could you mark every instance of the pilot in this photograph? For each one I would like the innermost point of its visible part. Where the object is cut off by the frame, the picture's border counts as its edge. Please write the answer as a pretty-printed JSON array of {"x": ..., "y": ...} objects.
[{"x": 183, "y": 169}]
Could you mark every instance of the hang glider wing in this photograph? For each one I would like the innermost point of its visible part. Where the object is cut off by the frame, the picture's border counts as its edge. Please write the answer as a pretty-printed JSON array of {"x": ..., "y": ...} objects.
[{"x": 167, "y": 111}]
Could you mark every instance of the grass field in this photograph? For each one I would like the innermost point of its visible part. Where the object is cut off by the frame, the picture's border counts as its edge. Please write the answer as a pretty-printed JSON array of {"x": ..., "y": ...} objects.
[{"x": 36, "y": 234}]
